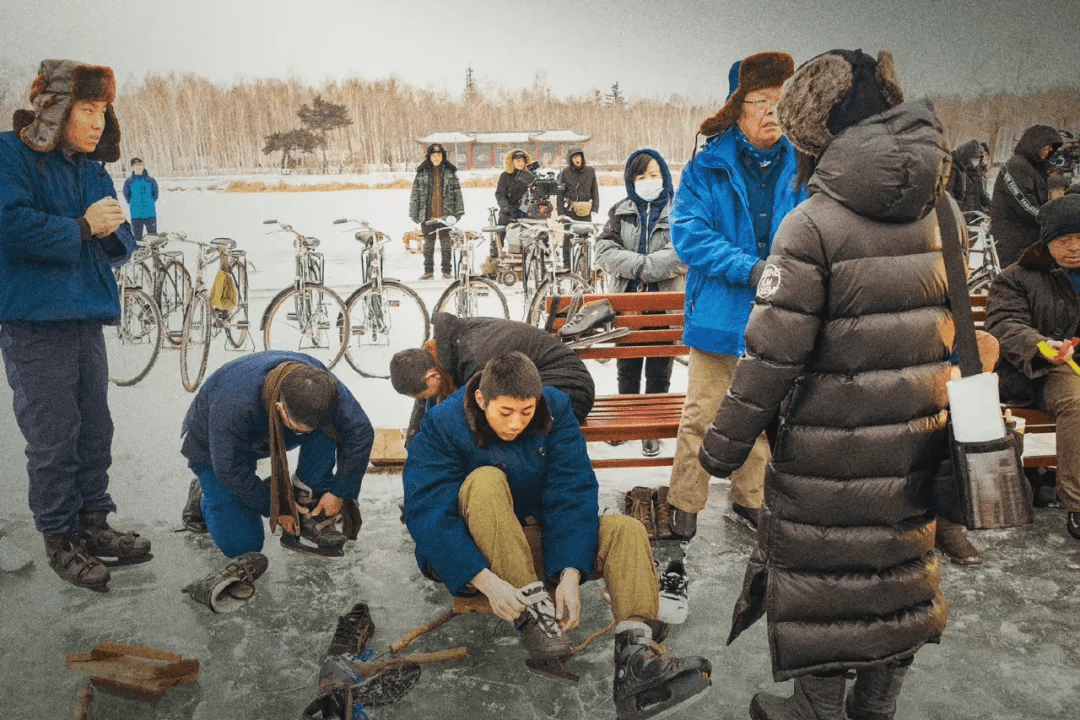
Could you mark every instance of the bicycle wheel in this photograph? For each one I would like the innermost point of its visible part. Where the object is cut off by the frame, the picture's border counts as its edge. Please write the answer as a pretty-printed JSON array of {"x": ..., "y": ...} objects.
[
  {"x": 195, "y": 344},
  {"x": 134, "y": 344},
  {"x": 382, "y": 324},
  {"x": 532, "y": 269},
  {"x": 313, "y": 321},
  {"x": 480, "y": 298},
  {"x": 566, "y": 283},
  {"x": 173, "y": 294},
  {"x": 236, "y": 320}
]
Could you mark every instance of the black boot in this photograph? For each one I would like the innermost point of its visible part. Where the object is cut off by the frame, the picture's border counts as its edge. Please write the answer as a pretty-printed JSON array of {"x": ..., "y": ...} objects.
[
  {"x": 229, "y": 589},
  {"x": 69, "y": 558},
  {"x": 354, "y": 629},
  {"x": 815, "y": 698},
  {"x": 589, "y": 316},
  {"x": 192, "y": 516},
  {"x": 648, "y": 681},
  {"x": 874, "y": 695},
  {"x": 112, "y": 546},
  {"x": 319, "y": 535}
]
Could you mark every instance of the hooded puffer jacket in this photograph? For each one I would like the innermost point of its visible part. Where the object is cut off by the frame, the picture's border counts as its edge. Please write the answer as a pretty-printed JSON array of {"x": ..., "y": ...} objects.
[
  {"x": 1013, "y": 210},
  {"x": 848, "y": 347},
  {"x": 577, "y": 185},
  {"x": 967, "y": 183},
  {"x": 511, "y": 188}
]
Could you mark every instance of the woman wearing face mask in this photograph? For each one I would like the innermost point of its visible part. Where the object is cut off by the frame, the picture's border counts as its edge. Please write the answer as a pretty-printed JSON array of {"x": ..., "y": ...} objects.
[{"x": 635, "y": 252}]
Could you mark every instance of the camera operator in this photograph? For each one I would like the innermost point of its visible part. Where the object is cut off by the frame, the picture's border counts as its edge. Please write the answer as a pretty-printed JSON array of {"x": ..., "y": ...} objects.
[{"x": 513, "y": 184}]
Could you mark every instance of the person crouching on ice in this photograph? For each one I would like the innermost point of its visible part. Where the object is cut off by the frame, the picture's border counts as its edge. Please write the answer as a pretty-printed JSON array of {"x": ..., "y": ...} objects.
[
  {"x": 501, "y": 500},
  {"x": 258, "y": 406}
]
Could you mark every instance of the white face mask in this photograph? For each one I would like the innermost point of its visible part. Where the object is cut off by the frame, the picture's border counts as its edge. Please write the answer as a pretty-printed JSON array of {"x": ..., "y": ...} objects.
[{"x": 649, "y": 189}]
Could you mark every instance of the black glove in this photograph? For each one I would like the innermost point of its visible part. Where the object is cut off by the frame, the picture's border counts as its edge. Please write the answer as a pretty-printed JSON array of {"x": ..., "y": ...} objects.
[{"x": 756, "y": 272}]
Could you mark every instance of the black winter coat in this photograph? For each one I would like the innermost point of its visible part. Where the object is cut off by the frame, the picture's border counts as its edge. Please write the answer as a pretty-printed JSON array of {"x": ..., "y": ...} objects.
[
  {"x": 1030, "y": 301},
  {"x": 420, "y": 199},
  {"x": 1013, "y": 211},
  {"x": 848, "y": 348},
  {"x": 578, "y": 185},
  {"x": 967, "y": 184}
]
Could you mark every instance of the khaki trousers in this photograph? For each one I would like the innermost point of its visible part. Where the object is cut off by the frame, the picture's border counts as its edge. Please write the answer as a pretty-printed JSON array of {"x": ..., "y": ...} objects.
[
  {"x": 1062, "y": 398},
  {"x": 623, "y": 557},
  {"x": 708, "y": 379}
]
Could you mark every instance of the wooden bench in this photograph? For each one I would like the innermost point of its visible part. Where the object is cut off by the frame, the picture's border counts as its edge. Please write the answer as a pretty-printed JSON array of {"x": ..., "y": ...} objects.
[{"x": 635, "y": 417}]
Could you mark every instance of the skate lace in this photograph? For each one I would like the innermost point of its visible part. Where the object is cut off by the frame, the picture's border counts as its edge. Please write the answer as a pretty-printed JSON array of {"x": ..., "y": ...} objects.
[
  {"x": 640, "y": 510},
  {"x": 673, "y": 583},
  {"x": 656, "y": 650}
]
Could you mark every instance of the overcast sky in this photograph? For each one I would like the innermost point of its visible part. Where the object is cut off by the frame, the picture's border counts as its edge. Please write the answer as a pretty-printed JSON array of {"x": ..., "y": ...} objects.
[{"x": 652, "y": 48}]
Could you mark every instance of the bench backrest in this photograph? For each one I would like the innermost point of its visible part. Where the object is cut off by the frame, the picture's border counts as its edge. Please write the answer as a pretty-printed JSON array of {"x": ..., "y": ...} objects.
[{"x": 654, "y": 318}]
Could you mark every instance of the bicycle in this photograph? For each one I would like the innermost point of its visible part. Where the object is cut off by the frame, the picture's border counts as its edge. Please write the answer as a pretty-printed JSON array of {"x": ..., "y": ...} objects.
[
  {"x": 203, "y": 320},
  {"x": 386, "y": 315},
  {"x": 469, "y": 295},
  {"x": 307, "y": 316},
  {"x": 133, "y": 344},
  {"x": 167, "y": 281},
  {"x": 582, "y": 238},
  {"x": 981, "y": 242},
  {"x": 542, "y": 266}
]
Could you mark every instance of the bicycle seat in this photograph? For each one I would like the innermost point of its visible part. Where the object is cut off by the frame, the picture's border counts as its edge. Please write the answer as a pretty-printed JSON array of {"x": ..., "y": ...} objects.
[
  {"x": 227, "y": 243},
  {"x": 366, "y": 236},
  {"x": 153, "y": 240}
]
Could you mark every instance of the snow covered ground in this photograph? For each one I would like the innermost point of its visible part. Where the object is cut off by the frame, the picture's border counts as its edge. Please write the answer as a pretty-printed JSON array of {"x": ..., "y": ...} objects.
[{"x": 1012, "y": 649}]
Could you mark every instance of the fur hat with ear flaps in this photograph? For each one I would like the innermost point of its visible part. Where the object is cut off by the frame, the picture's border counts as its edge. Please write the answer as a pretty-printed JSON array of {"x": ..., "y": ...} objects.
[
  {"x": 58, "y": 85},
  {"x": 764, "y": 70},
  {"x": 834, "y": 91}
]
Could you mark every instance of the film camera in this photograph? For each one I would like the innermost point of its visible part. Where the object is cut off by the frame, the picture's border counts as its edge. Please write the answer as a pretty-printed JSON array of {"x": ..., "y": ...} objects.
[
  {"x": 537, "y": 203},
  {"x": 1066, "y": 159}
]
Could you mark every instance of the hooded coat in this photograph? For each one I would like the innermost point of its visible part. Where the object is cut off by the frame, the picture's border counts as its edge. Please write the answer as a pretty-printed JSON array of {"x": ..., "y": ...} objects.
[
  {"x": 1014, "y": 210},
  {"x": 420, "y": 199},
  {"x": 577, "y": 185},
  {"x": 513, "y": 184},
  {"x": 848, "y": 349},
  {"x": 967, "y": 183},
  {"x": 619, "y": 251},
  {"x": 141, "y": 193}
]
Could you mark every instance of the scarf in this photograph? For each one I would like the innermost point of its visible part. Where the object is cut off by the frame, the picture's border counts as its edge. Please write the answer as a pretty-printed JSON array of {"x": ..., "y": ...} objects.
[
  {"x": 762, "y": 158},
  {"x": 446, "y": 383}
]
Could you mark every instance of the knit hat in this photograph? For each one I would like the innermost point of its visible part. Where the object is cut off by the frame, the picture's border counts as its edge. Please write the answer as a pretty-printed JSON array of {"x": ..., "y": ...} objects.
[
  {"x": 1059, "y": 217},
  {"x": 834, "y": 91},
  {"x": 756, "y": 72},
  {"x": 59, "y": 84}
]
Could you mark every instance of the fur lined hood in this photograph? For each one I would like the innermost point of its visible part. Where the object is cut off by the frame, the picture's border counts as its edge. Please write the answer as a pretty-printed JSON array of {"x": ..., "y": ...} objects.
[
  {"x": 763, "y": 70},
  {"x": 478, "y": 424},
  {"x": 508, "y": 161},
  {"x": 60, "y": 83}
]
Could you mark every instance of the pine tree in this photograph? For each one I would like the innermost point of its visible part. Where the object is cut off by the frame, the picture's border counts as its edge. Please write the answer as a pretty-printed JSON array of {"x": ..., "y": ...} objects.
[
  {"x": 290, "y": 141},
  {"x": 322, "y": 116},
  {"x": 615, "y": 97}
]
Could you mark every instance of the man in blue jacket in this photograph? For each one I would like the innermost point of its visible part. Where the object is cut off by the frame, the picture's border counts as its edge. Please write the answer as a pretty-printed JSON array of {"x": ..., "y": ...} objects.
[
  {"x": 501, "y": 499},
  {"x": 141, "y": 193},
  {"x": 731, "y": 198},
  {"x": 61, "y": 231}
]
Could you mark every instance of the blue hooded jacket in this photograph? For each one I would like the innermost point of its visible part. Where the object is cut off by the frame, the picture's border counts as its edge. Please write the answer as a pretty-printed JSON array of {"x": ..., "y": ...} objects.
[
  {"x": 141, "y": 192},
  {"x": 713, "y": 233},
  {"x": 47, "y": 271}
]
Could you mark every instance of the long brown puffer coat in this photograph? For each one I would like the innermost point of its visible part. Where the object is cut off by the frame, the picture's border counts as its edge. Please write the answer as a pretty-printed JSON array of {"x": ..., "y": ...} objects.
[{"x": 848, "y": 347}]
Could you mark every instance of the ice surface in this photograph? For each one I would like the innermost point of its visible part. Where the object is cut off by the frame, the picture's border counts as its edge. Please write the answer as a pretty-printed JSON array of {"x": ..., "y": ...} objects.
[{"x": 1012, "y": 649}]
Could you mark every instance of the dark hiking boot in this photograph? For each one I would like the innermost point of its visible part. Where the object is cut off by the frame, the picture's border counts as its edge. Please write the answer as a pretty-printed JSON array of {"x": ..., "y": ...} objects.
[
  {"x": 650, "y": 447},
  {"x": 674, "y": 604},
  {"x": 228, "y": 589},
  {"x": 69, "y": 558},
  {"x": 952, "y": 541},
  {"x": 648, "y": 681},
  {"x": 354, "y": 629},
  {"x": 663, "y": 513},
  {"x": 589, "y": 316},
  {"x": 1072, "y": 524},
  {"x": 112, "y": 546},
  {"x": 638, "y": 505},
  {"x": 873, "y": 696},
  {"x": 541, "y": 633},
  {"x": 192, "y": 517},
  {"x": 815, "y": 698},
  {"x": 683, "y": 524},
  {"x": 746, "y": 515}
]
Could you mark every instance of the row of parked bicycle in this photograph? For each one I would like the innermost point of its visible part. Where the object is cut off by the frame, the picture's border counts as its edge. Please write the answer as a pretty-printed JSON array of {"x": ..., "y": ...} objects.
[{"x": 163, "y": 308}]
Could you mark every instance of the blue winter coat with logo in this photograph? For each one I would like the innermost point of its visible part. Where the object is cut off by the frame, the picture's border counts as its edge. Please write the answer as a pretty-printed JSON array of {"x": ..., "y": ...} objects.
[
  {"x": 141, "y": 193},
  {"x": 713, "y": 233},
  {"x": 548, "y": 469},
  {"x": 47, "y": 271}
]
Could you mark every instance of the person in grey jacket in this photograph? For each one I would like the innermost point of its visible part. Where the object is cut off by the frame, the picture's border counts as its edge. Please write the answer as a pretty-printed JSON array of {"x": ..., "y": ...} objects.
[
  {"x": 634, "y": 250},
  {"x": 847, "y": 356}
]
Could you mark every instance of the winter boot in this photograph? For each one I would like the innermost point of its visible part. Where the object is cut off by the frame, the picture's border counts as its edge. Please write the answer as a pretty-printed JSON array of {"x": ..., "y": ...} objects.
[
  {"x": 953, "y": 543},
  {"x": 319, "y": 535},
  {"x": 638, "y": 505},
  {"x": 683, "y": 524},
  {"x": 650, "y": 447},
  {"x": 192, "y": 517},
  {"x": 663, "y": 513},
  {"x": 69, "y": 558},
  {"x": 354, "y": 629},
  {"x": 228, "y": 589},
  {"x": 590, "y": 316},
  {"x": 874, "y": 695},
  {"x": 815, "y": 698},
  {"x": 648, "y": 681},
  {"x": 674, "y": 605},
  {"x": 111, "y": 546},
  {"x": 748, "y": 516}
]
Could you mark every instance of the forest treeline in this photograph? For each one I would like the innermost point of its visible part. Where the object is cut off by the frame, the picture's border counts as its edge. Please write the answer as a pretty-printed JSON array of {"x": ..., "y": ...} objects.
[{"x": 187, "y": 125}]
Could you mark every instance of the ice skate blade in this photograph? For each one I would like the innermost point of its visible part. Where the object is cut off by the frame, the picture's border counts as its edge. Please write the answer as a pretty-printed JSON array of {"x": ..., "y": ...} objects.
[
  {"x": 663, "y": 700},
  {"x": 554, "y": 669},
  {"x": 741, "y": 525},
  {"x": 577, "y": 342},
  {"x": 122, "y": 562},
  {"x": 291, "y": 542}
]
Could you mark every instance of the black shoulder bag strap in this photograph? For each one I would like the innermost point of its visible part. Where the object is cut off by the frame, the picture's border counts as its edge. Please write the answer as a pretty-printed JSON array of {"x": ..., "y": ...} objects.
[{"x": 958, "y": 296}]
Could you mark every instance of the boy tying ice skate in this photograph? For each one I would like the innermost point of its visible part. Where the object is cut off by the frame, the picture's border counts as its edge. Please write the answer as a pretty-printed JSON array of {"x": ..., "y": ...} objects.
[{"x": 501, "y": 499}]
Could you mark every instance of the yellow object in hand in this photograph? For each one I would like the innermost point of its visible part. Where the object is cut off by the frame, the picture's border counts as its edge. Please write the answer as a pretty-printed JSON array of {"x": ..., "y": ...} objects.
[{"x": 1052, "y": 354}]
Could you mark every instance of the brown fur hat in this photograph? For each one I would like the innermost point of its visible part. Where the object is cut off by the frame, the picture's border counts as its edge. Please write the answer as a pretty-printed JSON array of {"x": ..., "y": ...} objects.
[
  {"x": 763, "y": 70},
  {"x": 59, "y": 84},
  {"x": 806, "y": 106},
  {"x": 509, "y": 159}
]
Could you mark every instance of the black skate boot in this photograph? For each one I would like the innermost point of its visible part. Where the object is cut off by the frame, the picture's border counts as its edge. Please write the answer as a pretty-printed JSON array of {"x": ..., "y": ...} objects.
[
  {"x": 69, "y": 558},
  {"x": 648, "y": 681},
  {"x": 543, "y": 637},
  {"x": 591, "y": 323},
  {"x": 354, "y": 629},
  {"x": 192, "y": 517},
  {"x": 319, "y": 535},
  {"x": 229, "y": 589},
  {"x": 815, "y": 698},
  {"x": 873, "y": 697},
  {"x": 111, "y": 546}
]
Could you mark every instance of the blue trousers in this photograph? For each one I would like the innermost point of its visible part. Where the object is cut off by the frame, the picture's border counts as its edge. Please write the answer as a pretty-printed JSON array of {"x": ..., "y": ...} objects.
[
  {"x": 59, "y": 377},
  {"x": 237, "y": 528},
  {"x": 140, "y": 225}
]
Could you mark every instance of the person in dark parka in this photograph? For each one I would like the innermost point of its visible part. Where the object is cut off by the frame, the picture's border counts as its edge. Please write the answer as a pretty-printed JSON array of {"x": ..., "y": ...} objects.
[
  {"x": 848, "y": 348},
  {"x": 967, "y": 181},
  {"x": 1019, "y": 191},
  {"x": 579, "y": 193},
  {"x": 436, "y": 193}
]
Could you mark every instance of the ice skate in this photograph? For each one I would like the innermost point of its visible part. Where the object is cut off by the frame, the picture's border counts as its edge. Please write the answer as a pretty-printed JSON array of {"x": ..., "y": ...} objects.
[
  {"x": 319, "y": 535},
  {"x": 69, "y": 558},
  {"x": 192, "y": 517},
  {"x": 543, "y": 637},
  {"x": 228, "y": 589},
  {"x": 648, "y": 681},
  {"x": 590, "y": 324},
  {"x": 341, "y": 684},
  {"x": 353, "y": 631},
  {"x": 112, "y": 547},
  {"x": 674, "y": 605}
]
